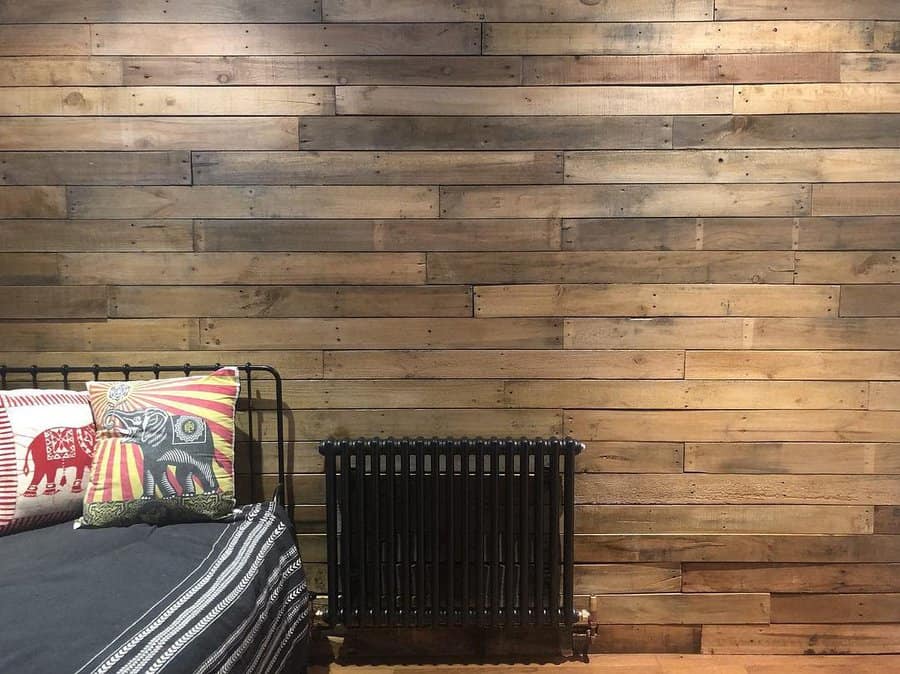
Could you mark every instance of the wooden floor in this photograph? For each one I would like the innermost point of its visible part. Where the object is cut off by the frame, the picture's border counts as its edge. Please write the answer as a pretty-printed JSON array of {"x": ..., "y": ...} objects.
[{"x": 658, "y": 664}]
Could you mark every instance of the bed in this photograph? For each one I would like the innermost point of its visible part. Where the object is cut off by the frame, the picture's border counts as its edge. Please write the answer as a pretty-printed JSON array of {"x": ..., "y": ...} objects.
[{"x": 195, "y": 597}]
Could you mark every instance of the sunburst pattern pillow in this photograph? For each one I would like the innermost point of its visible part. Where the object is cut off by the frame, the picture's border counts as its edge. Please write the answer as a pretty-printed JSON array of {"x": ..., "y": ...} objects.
[{"x": 164, "y": 450}]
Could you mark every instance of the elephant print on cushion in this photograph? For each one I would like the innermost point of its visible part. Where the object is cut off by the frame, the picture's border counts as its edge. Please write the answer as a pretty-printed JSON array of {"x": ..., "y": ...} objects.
[
  {"x": 164, "y": 450},
  {"x": 46, "y": 446}
]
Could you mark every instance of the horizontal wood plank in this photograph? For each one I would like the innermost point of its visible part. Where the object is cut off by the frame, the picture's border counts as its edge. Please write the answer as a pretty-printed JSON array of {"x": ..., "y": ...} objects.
[
  {"x": 870, "y": 68},
  {"x": 794, "y": 457},
  {"x": 49, "y": 40},
  {"x": 787, "y": 131},
  {"x": 284, "y": 301},
  {"x": 158, "y": 11},
  {"x": 376, "y": 168},
  {"x": 586, "y": 201},
  {"x": 887, "y": 520},
  {"x": 500, "y": 364},
  {"x": 245, "y": 268},
  {"x": 677, "y": 609},
  {"x": 441, "y": 132},
  {"x": 204, "y": 39},
  {"x": 631, "y": 457},
  {"x": 770, "y": 99},
  {"x": 53, "y": 302},
  {"x": 95, "y": 235},
  {"x": 737, "y": 548},
  {"x": 723, "y": 519},
  {"x": 214, "y": 201},
  {"x": 385, "y": 333},
  {"x": 626, "y": 578},
  {"x": 744, "y": 10},
  {"x": 732, "y": 166},
  {"x": 83, "y": 101},
  {"x": 95, "y": 168},
  {"x": 870, "y": 300},
  {"x": 148, "y": 133},
  {"x": 836, "y": 608},
  {"x": 800, "y": 639},
  {"x": 320, "y": 70},
  {"x": 847, "y": 267},
  {"x": 848, "y": 233},
  {"x": 468, "y": 101},
  {"x": 632, "y": 639},
  {"x": 743, "y": 426},
  {"x": 47, "y": 71},
  {"x": 32, "y": 202},
  {"x": 793, "y": 365},
  {"x": 377, "y": 235},
  {"x": 514, "y": 10},
  {"x": 683, "y": 69},
  {"x": 884, "y": 395},
  {"x": 678, "y": 37},
  {"x": 168, "y": 334},
  {"x": 791, "y": 578},
  {"x": 857, "y": 199},
  {"x": 721, "y": 299},
  {"x": 605, "y": 267}
]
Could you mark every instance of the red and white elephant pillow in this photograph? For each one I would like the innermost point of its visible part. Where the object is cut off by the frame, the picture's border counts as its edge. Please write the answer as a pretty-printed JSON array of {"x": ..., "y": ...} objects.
[{"x": 46, "y": 447}]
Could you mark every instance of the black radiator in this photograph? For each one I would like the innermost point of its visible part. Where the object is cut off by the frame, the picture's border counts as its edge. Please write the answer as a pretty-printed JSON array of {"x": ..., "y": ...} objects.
[{"x": 450, "y": 532}]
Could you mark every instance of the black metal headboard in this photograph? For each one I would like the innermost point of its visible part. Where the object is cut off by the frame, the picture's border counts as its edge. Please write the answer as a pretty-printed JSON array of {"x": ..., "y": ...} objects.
[{"x": 36, "y": 373}]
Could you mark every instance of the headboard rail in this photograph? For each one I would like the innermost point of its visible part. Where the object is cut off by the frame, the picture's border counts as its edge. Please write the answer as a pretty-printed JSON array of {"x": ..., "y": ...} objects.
[{"x": 39, "y": 375}]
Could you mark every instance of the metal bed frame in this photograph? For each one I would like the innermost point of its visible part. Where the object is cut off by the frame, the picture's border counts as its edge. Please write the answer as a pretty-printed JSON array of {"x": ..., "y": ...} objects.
[{"x": 125, "y": 371}]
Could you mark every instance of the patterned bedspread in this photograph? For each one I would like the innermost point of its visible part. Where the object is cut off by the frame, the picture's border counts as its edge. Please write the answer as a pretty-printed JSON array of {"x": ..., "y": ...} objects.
[{"x": 208, "y": 597}]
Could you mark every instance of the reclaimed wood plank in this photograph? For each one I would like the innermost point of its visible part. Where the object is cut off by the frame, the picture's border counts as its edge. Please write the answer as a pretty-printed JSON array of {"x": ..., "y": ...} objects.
[
  {"x": 753, "y": 10},
  {"x": 376, "y": 168},
  {"x": 738, "y": 548},
  {"x": 851, "y": 365},
  {"x": 751, "y": 426},
  {"x": 732, "y": 166},
  {"x": 723, "y": 519},
  {"x": 879, "y": 607},
  {"x": 114, "y": 335},
  {"x": 51, "y": 71},
  {"x": 49, "y": 40},
  {"x": 206, "y": 39},
  {"x": 720, "y": 299},
  {"x": 887, "y": 520},
  {"x": 870, "y": 68},
  {"x": 626, "y": 578},
  {"x": 116, "y": 101},
  {"x": 29, "y": 269},
  {"x": 148, "y": 133},
  {"x": 848, "y": 233},
  {"x": 839, "y": 458},
  {"x": 158, "y": 11},
  {"x": 654, "y": 333},
  {"x": 386, "y": 333},
  {"x": 500, "y": 364},
  {"x": 646, "y": 639},
  {"x": 95, "y": 168},
  {"x": 53, "y": 301},
  {"x": 847, "y": 267},
  {"x": 473, "y": 101},
  {"x": 870, "y": 300},
  {"x": 580, "y": 201},
  {"x": 138, "y": 301},
  {"x": 857, "y": 199},
  {"x": 678, "y": 37},
  {"x": 816, "y": 333},
  {"x": 676, "y": 608},
  {"x": 514, "y": 10},
  {"x": 440, "y": 132},
  {"x": 95, "y": 235},
  {"x": 884, "y": 395},
  {"x": 631, "y": 457},
  {"x": 701, "y": 395},
  {"x": 734, "y": 489},
  {"x": 787, "y": 131},
  {"x": 684, "y": 69},
  {"x": 32, "y": 202},
  {"x": 214, "y": 201},
  {"x": 394, "y": 394},
  {"x": 606, "y": 267},
  {"x": 191, "y": 269},
  {"x": 791, "y": 578},
  {"x": 769, "y": 99},
  {"x": 320, "y": 70},
  {"x": 801, "y": 639},
  {"x": 377, "y": 235}
]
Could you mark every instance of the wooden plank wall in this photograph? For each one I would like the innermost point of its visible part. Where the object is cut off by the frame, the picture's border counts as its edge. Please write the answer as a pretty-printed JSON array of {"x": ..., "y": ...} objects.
[{"x": 666, "y": 227}]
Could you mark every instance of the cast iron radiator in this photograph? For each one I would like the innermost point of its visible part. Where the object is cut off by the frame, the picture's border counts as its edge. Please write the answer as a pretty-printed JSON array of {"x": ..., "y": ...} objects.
[{"x": 450, "y": 532}]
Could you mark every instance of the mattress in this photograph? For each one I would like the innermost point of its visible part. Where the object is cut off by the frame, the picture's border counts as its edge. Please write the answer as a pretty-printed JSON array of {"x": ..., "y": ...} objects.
[{"x": 200, "y": 597}]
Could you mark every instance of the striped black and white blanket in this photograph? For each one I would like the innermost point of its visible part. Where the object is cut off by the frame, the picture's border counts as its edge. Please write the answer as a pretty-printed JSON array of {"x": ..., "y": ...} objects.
[{"x": 207, "y": 597}]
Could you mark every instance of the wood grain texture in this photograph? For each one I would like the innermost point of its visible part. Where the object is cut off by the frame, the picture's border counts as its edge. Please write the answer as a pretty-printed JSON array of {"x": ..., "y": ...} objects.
[
  {"x": 667, "y": 228},
  {"x": 441, "y": 132},
  {"x": 284, "y": 39},
  {"x": 262, "y": 201},
  {"x": 468, "y": 101}
]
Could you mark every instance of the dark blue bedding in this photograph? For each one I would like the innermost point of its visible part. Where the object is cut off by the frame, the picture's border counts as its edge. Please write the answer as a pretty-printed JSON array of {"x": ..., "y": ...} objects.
[{"x": 186, "y": 598}]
